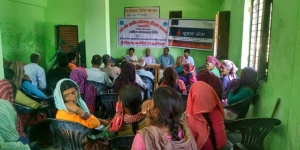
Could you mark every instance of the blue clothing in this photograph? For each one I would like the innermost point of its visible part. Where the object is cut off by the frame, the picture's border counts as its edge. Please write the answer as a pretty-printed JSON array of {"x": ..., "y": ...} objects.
[
  {"x": 243, "y": 93},
  {"x": 36, "y": 74},
  {"x": 145, "y": 73},
  {"x": 30, "y": 89},
  {"x": 179, "y": 69},
  {"x": 225, "y": 81},
  {"x": 190, "y": 60},
  {"x": 167, "y": 61}
]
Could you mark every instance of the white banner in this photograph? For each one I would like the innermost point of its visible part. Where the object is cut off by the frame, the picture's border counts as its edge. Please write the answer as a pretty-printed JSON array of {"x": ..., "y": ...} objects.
[{"x": 135, "y": 32}]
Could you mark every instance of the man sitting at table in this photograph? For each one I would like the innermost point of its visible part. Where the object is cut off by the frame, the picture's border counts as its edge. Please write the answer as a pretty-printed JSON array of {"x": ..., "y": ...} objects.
[
  {"x": 165, "y": 60},
  {"x": 140, "y": 69},
  {"x": 148, "y": 58}
]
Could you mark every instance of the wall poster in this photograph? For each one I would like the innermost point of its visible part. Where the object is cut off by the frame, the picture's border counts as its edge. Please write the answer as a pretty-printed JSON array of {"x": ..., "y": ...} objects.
[
  {"x": 191, "y": 34},
  {"x": 133, "y": 32},
  {"x": 141, "y": 12}
]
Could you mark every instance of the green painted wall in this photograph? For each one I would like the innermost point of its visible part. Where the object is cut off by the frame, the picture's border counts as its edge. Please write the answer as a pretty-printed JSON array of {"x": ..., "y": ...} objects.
[
  {"x": 1, "y": 62},
  {"x": 197, "y": 9},
  {"x": 22, "y": 28},
  {"x": 283, "y": 79},
  {"x": 62, "y": 12}
]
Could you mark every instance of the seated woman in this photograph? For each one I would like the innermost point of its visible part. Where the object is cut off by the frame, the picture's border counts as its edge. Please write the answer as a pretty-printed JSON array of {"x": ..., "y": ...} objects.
[
  {"x": 70, "y": 105},
  {"x": 212, "y": 80},
  {"x": 165, "y": 128},
  {"x": 8, "y": 133},
  {"x": 129, "y": 111},
  {"x": 205, "y": 117},
  {"x": 213, "y": 65},
  {"x": 128, "y": 77},
  {"x": 170, "y": 79},
  {"x": 180, "y": 61},
  {"x": 189, "y": 76},
  {"x": 228, "y": 70},
  {"x": 241, "y": 89}
]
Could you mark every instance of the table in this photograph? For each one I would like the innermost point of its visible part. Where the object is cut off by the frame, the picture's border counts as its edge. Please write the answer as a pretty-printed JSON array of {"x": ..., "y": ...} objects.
[{"x": 156, "y": 75}]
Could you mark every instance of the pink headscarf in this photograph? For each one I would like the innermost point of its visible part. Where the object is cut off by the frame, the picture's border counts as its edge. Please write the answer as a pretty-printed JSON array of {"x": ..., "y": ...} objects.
[
  {"x": 227, "y": 64},
  {"x": 214, "y": 61}
]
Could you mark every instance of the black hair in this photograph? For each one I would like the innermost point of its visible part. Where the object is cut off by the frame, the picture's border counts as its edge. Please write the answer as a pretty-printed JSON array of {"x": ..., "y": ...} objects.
[
  {"x": 63, "y": 60},
  {"x": 212, "y": 131},
  {"x": 96, "y": 60},
  {"x": 67, "y": 84},
  {"x": 123, "y": 64},
  {"x": 131, "y": 48},
  {"x": 106, "y": 59},
  {"x": 34, "y": 57},
  {"x": 187, "y": 50},
  {"x": 132, "y": 100},
  {"x": 9, "y": 74},
  {"x": 170, "y": 77},
  {"x": 71, "y": 56},
  {"x": 169, "y": 103},
  {"x": 166, "y": 48}
]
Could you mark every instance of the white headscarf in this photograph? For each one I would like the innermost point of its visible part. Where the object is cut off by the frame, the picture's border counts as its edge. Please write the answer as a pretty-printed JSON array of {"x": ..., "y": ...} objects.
[
  {"x": 227, "y": 64},
  {"x": 59, "y": 101}
]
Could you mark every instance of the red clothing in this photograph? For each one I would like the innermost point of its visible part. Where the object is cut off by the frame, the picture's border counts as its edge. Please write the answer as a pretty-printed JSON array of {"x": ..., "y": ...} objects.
[{"x": 203, "y": 99}]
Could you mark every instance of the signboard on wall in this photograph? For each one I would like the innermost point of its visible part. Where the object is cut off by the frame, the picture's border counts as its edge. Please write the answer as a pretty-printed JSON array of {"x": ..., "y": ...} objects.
[
  {"x": 141, "y": 12},
  {"x": 134, "y": 32},
  {"x": 191, "y": 34}
]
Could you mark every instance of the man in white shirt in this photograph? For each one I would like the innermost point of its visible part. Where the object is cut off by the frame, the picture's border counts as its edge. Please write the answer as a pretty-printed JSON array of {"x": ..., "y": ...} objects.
[
  {"x": 95, "y": 74},
  {"x": 35, "y": 72},
  {"x": 130, "y": 57},
  {"x": 148, "y": 58},
  {"x": 188, "y": 58}
]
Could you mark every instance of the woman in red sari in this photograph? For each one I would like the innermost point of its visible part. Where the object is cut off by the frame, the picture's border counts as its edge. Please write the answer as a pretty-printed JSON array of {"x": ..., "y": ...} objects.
[{"x": 205, "y": 117}]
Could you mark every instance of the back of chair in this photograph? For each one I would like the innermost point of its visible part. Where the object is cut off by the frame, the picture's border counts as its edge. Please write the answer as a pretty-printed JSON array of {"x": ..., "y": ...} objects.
[
  {"x": 121, "y": 142},
  {"x": 100, "y": 87},
  {"x": 184, "y": 98},
  {"x": 107, "y": 104},
  {"x": 242, "y": 107},
  {"x": 253, "y": 130},
  {"x": 69, "y": 133},
  {"x": 148, "y": 81}
]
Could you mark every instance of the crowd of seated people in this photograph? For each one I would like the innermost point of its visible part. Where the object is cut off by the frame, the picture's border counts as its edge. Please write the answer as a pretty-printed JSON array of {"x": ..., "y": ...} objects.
[{"x": 202, "y": 126}]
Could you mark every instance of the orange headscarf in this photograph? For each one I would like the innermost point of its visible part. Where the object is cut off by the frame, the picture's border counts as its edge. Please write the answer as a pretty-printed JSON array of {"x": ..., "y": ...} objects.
[{"x": 202, "y": 99}]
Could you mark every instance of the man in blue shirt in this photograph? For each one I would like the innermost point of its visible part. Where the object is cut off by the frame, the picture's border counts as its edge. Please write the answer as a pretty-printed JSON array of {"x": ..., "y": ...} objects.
[
  {"x": 188, "y": 58},
  {"x": 166, "y": 60}
]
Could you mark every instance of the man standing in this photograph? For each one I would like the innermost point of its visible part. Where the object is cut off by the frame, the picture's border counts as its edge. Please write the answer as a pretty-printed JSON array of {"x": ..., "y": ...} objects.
[
  {"x": 188, "y": 58},
  {"x": 94, "y": 73},
  {"x": 35, "y": 72},
  {"x": 165, "y": 60},
  {"x": 148, "y": 58}
]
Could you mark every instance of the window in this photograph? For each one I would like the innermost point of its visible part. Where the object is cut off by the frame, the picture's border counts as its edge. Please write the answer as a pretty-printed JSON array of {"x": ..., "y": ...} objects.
[{"x": 261, "y": 17}]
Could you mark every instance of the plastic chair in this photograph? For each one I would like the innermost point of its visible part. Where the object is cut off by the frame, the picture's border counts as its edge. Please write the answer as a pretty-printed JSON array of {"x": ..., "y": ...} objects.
[
  {"x": 184, "y": 98},
  {"x": 70, "y": 134},
  {"x": 148, "y": 81},
  {"x": 241, "y": 107},
  {"x": 121, "y": 142},
  {"x": 107, "y": 105},
  {"x": 252, "y": 131},
  {"x": 100, "y": 87}
]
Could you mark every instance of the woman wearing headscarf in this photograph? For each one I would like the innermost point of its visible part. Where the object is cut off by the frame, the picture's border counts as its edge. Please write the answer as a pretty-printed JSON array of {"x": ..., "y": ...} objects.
[
  {"x": 70, "y": 105},
  {"x": 171, "y": 80},
  {"x": 212, "y": 80},
  {"x": 205, "y": 117},
  {"x": 8, "y": 134},
  {"x": 126, "y": 77},
  {"x": 87, "y": 91},
  {"x": 180, "y": 61},
  {"x": 240, "y": 89},
  {"x": 7, "y": 93},
  {"x": 213, "y": 65},
  {"x": 189, "y": 74},
  {"x": 228, "y": 70}
]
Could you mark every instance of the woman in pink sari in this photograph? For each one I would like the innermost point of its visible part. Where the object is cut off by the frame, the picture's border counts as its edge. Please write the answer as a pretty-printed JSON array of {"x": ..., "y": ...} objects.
[{"x": 205, "y": 117}]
